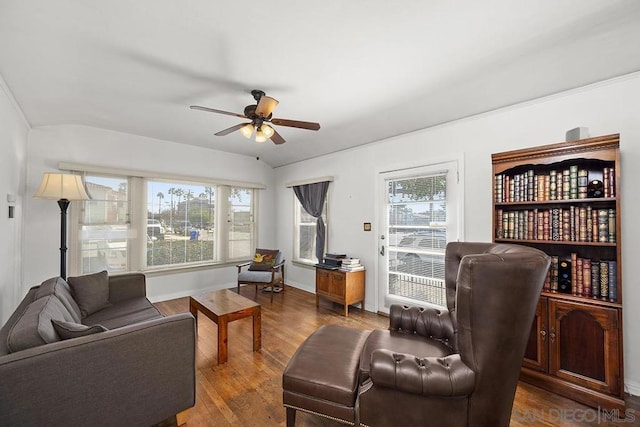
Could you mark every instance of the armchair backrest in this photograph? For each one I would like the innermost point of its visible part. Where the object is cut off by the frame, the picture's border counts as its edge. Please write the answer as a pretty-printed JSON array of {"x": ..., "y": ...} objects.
[{"x": 492, "y": 292}]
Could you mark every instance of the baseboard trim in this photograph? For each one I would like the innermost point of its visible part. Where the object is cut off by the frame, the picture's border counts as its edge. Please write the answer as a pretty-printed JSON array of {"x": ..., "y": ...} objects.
[{"x": 632, "y": 387}]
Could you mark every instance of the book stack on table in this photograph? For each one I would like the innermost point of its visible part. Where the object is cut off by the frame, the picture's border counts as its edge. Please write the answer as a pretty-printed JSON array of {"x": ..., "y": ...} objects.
[
  {"x": 332, "y": 261},
  {"x": 351, "y": 264}
]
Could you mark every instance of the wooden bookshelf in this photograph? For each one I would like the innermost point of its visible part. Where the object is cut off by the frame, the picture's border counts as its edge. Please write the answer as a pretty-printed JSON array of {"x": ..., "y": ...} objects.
[{"x": 546, "y": 197}]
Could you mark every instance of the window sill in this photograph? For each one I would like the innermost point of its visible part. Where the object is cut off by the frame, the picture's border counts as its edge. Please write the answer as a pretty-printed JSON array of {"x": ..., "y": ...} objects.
[
  {"x": 164, "y": 271},
  {"x": 304, "y": 264}
]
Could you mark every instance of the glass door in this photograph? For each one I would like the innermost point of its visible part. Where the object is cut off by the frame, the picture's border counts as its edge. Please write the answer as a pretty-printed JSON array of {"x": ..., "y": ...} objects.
[{"x": 419, "y": 216}]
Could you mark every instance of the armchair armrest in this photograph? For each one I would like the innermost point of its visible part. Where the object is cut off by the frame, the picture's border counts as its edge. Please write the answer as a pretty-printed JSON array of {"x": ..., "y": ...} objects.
[
  {"x": 126, "y": 286},
  {"x": 430, "y": 376},
  {"x": 139, "y": 374},
  {"x": 434, "y": 323},
  {"x": 244, "y": 264}
]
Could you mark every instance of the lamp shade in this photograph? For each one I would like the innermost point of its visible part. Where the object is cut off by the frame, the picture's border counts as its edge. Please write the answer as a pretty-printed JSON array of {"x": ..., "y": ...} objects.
[
  {"x": 265, "y": 106},
  {"x": 62, "y": 186},
  {"x": 260, "y": 136},
  {"x": 247, "y": 130},
  {"x": 267, "y": 130}
]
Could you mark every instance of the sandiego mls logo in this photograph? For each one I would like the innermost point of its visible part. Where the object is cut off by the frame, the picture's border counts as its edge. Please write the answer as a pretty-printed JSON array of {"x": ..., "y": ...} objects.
[{"x": 592, "y": 416}]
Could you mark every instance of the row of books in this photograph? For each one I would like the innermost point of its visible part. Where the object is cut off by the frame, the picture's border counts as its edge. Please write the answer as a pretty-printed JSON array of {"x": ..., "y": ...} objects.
[
  {"x": 568, "y": 184},
  {"x": 351, "y": 264},
  {"x": 583, "y": 277},
  {"x": 572, "y": 224}
]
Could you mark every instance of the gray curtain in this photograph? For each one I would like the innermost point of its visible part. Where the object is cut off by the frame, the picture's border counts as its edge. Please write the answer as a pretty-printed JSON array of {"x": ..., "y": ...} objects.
[{"x": 311, "y": 198}]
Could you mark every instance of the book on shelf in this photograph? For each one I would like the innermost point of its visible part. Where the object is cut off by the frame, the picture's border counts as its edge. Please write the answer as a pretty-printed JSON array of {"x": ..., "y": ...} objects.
[
  {"x": 567, "y": 184},
  {"x": 586, "y": 277},
  {"x": 573, "y": 224}
]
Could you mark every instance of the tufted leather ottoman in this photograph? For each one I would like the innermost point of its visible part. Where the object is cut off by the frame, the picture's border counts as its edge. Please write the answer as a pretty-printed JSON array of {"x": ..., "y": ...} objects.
[{"x": 322, "y": 376}]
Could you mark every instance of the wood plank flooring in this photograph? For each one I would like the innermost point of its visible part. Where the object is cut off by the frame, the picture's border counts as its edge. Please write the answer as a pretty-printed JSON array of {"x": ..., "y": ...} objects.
[{"x": 247, "y": 390}]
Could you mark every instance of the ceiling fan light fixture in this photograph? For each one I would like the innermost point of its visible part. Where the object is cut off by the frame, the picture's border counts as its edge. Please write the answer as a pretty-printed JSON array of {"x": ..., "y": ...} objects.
[
  {"x": 267, "y": 130},
  {"x": 247, "y": 130},
  {"x": 260, "y": 136}
]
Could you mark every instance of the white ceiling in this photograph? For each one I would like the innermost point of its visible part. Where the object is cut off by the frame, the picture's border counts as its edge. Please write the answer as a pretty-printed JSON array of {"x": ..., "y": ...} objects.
[{"x": 365, "y": 70}]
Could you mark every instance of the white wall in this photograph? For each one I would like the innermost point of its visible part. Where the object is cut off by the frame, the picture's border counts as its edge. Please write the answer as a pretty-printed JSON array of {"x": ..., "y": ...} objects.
[
  {"x": 79, "y": 144},
  {"x": 605, "y": 108},
  {"x": 14, "y": 131}
]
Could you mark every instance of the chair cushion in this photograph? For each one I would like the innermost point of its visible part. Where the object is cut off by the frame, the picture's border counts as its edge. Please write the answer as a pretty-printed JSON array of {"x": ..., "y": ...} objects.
[
  {"x": 61, "y": 289},
  {"x": 264, "y": 259},
  {"x": 399, "y": 342},
  {"x": 91, "y": 292},
  {"x": 258, "y": 276},
  {"x": 34, "y": 327},
  {"x": 68, "y": 330}
]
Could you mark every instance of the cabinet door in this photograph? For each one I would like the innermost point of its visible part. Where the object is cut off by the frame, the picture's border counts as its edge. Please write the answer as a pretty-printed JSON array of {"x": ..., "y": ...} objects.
[
  {"x": 336, "y": 288},
  {"x": 536, "y": 355},
  {"x": 322, "y": 281},
  {"x": 584, "y": 345}
]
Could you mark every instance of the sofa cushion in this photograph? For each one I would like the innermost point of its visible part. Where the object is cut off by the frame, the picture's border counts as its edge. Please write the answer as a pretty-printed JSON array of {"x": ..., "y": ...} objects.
[
  {"x": 62, "y": 291},
  {"x": 91, "y": 292},
  {"x": 68, "y": 330},
  {"x": 264, "y": 259},
  {"x": 124, "y": 313},
  {"x": 34, "y": 327}
]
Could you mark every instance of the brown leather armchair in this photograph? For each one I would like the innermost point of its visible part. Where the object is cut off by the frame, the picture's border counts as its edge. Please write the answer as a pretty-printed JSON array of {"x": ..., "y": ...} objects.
[{"x": 457, "y": 366}]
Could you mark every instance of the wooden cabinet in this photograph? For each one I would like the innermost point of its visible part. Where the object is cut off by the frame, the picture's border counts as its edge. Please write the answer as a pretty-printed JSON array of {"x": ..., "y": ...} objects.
[
  {"x": 564, "y": 199},
  {"x": 344, "y": 287}
]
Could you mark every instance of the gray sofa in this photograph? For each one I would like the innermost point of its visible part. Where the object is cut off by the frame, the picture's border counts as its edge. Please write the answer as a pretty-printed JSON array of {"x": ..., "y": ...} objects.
[{"x": 72, "y": 354}]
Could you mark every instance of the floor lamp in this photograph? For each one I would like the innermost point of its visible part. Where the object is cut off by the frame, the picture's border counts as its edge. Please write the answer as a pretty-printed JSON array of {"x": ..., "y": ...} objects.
[{"x": 64, "y": 188}]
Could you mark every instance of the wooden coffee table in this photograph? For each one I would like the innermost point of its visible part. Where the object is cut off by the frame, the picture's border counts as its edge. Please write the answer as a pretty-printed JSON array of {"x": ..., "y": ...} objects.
[{"x": 225, "y": 306}]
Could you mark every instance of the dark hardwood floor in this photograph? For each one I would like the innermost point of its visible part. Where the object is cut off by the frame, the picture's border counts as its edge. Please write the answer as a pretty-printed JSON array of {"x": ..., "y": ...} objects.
[{"x": 247, "y": 390}]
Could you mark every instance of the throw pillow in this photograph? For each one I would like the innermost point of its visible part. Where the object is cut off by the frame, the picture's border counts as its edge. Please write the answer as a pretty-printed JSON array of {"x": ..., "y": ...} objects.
[
  {"x": 34, "y": 327},
  {"x": 264, "y": 259},
  {"x": 68, "y": 330},
  {"x": 62, "y": 291},
  {"x": 91, "y": 292}
]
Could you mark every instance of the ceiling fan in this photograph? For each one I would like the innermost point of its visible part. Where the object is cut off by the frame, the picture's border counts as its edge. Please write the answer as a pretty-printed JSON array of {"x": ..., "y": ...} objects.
[{"x": 260, "y": 114}]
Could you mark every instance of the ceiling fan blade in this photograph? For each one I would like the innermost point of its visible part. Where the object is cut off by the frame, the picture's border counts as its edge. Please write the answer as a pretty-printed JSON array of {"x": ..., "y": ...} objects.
[
  {"x": 211, "y": 110},
  {"x": 296, "y": 124},
  {"x": 277, "y": 138},
  {"x": 231, "y": 129},
  {"x": 266, "y": 105}
]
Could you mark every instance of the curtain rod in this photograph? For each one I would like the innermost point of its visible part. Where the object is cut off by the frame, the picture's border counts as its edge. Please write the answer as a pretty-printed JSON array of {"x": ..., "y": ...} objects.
[{"x": 308, "y": 181}]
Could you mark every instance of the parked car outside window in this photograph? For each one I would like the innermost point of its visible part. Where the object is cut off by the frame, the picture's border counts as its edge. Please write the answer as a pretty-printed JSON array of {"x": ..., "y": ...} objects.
[
  {"x": 155, "y": 230},
  {"x": 428, "y": 258}
]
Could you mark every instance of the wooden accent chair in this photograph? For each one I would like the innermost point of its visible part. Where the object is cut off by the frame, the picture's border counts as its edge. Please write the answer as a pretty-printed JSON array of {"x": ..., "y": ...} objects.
[{"x": 270, "y": 277}]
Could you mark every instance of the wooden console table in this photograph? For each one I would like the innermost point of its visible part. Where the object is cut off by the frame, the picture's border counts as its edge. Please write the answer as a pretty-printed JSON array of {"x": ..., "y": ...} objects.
[{"x": 343, "y": 287}]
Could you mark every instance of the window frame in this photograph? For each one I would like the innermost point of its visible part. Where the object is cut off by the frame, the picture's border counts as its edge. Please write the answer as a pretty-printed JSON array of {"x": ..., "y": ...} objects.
[
  {"x": 137, "y": 242},
  {"x": 297, "y": 206}
]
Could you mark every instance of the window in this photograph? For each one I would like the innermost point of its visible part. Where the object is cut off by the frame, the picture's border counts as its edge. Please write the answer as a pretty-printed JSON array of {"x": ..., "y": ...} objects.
[
  {"x": 104, "y": 226},
  {"x": 144, "y": 224},
  {"x": 240, "y": 237},
  {"x": 305, "y": 232}
]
